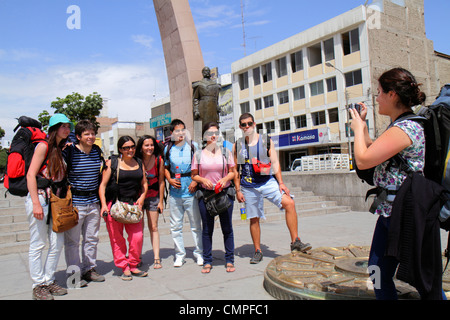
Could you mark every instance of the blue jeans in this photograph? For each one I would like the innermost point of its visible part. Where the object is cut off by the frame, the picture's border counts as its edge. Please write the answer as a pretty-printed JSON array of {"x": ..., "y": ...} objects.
[
  {"x": 207, "y": 234},
  {"x": 179, "y": 206},
  {"x": 384, "y": 286}
]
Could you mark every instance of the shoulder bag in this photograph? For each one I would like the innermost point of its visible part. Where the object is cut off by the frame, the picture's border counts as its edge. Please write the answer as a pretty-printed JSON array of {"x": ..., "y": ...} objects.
[
  {"x": 64, "y": 214},
  {"x": 124, "y": 212}
]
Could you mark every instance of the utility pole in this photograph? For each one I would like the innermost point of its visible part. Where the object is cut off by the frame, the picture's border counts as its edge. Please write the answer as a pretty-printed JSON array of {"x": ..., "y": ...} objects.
[
  {"x": 243, "y": 27},
  {"x": 348, "y": 131}
]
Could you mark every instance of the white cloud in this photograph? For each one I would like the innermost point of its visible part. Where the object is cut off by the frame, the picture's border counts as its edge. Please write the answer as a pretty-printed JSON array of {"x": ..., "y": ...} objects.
[
  {"x": 143, "y": 39},
  {"x": 129, "y": 89}
]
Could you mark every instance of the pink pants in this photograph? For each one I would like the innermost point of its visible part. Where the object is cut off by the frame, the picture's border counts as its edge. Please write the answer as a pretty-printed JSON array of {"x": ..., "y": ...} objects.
[{"x": 119, "y": 246}]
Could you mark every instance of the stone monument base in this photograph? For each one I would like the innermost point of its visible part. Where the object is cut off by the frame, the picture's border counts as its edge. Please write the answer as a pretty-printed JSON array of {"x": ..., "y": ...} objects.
[{"x": 329, "y": 273}]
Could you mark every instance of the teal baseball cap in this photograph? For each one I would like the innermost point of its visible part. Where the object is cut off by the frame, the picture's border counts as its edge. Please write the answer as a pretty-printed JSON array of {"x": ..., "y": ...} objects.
[{"x": 59, "y": 118}]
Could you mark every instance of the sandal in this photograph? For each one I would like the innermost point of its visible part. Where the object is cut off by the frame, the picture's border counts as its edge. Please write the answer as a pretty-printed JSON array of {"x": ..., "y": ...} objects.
[
  {"x": 157, "y": 264},
  {"x": 139, "y": 273},
  {"x": 230, "y": 267},
  {"x": 126, "y": 277},
  {"x": 206, "y": 268}
]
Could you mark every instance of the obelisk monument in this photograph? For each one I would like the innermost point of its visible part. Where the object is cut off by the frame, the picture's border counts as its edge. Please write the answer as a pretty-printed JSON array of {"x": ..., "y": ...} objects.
[{"x": 182, "y": 53}]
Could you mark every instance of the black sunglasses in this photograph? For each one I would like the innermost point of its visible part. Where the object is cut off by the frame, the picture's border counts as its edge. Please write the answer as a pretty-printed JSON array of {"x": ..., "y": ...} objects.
[
  {"x": 128, "y": 148},
  {"x": 246, "y": 124}
]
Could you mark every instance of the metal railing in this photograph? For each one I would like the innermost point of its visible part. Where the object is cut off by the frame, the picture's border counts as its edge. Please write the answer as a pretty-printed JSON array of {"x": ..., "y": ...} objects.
[{"x": 324, "y": 162}]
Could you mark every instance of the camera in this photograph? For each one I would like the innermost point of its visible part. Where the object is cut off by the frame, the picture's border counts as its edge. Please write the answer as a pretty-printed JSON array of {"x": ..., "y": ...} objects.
[{"x": 355, "y": 106}]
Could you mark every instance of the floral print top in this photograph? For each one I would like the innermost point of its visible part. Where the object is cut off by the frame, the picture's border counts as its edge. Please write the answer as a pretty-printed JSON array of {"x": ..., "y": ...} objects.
[{"x": 414, "y": 156}]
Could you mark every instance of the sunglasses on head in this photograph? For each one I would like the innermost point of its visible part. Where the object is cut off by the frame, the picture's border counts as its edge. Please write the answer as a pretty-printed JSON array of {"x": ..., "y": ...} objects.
[
  {"x": 128, "y": 148},
  {"x": 246, "y": 124}
]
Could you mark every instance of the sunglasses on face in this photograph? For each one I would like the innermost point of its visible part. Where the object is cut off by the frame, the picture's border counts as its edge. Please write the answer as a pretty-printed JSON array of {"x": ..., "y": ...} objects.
[
  {"x": 128, "y": 148},
  {"x": 246, "y": 124},
  {"x": 211, "y": 133}
]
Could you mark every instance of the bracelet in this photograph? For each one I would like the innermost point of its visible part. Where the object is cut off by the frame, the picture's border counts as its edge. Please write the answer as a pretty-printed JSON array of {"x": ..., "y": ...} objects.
[{"x": 238, "y": 190}]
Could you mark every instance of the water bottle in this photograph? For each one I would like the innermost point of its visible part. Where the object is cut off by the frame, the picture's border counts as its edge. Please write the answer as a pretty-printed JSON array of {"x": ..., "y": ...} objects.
[
  {"x": 177, "y": 173},
  {"x": 243, "y": 214}
]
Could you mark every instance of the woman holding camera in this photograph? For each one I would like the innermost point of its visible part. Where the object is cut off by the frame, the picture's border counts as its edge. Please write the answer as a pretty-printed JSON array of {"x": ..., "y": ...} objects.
[
  {"x": 149, "y": 152},
  {"x": 398, "y": 92},
  {"x": 132, "y": 189},
  {"x": 214, "y": 168}
]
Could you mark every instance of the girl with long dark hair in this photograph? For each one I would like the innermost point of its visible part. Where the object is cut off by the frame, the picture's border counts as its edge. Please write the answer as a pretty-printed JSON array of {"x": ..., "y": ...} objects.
[
  {"x": 132, "y": 188},
  {"x": 149, "y": 151},
  {"x": 47, "y": 162}
]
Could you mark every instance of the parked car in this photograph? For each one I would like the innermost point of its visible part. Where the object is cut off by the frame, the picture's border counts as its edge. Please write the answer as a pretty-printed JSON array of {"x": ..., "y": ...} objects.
[{"x": 296, "y": 165}]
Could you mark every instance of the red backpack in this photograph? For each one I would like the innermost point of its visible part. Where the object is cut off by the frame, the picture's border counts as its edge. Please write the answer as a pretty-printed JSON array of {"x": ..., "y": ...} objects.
[{"x": 20, "y": 154}]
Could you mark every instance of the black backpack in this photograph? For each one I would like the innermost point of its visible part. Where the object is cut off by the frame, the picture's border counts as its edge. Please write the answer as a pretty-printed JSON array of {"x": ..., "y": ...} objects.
[
  {"x": 20, "y": 154},
  {"x": 435, "y": 120}
]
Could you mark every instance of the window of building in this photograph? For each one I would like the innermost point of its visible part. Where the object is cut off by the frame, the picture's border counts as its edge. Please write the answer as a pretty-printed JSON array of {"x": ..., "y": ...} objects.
[
  {"x": 285, "y": 124},
  {"x": 300, "y": 121},
  {"x": 318, "y": 118},
  {"x": 258, "y": 104},
  {"x": 259, "y": 127},
  {"x": 243, "y": 80},
  {"x": 245, "y": 107},
  {"x": 280, "y": 65},
  {"x": 333, "y": 115},
  {"x": 266, "y": 71},
  {"x": 331, "y": 84},
  {"x": 315, "y": 55},
  {"x": 353, "y": 78},
  {"x": 350, "y": 41},
  {"x": 328, "y": 47},
  {"x": 283, "y": 97},
  {"x": 316, "y": 88},
  {"x": 270, "y": 126},
  {"x": 256, "y": 76},
  {"x": 299, "y": 93},
  {"x": 297, "y": 61},
  {"x": 268, "y": 101}
]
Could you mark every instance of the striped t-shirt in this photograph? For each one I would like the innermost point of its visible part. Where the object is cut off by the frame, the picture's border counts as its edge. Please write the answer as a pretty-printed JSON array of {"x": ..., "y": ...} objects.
[{"x": 84, "y": 173}]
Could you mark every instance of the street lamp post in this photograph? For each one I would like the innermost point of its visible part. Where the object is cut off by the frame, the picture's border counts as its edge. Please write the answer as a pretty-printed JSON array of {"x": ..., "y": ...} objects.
[{"x": 328, "y": 64}]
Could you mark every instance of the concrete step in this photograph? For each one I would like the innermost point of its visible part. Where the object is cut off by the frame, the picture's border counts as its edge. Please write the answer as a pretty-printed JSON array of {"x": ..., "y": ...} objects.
[{"x": 14, "y": 227}]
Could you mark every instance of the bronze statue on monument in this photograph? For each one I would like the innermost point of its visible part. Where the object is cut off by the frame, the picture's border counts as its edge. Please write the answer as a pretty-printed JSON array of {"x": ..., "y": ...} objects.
[{"x": 205, "y": 98}]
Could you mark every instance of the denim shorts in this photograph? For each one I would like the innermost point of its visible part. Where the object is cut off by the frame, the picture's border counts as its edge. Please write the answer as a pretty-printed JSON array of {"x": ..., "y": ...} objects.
[
  {"x": 254, "y": 198},
  {"x": 151, "y": 204}
]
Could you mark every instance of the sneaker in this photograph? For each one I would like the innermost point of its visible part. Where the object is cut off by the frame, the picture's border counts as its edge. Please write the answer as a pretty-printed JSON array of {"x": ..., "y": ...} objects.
[
  {"x": 200, "y": 260},
  {"x": 92, "y": 275},
  {"x": 257, "y": 257},
  {"x": 56, "y": 290},
  {"x": 178, "y": 262},
  {"x": 42, "y": 293},
  {"x": 297, "y": 245}
]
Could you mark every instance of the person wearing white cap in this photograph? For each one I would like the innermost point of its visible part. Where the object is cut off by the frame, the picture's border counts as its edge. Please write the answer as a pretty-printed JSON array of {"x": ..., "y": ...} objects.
[{"x": 47, "y": 162}]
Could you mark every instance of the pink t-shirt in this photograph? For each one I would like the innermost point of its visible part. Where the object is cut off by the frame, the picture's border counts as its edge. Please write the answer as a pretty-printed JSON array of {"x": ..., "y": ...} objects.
[{"x": 211, "y": 168}]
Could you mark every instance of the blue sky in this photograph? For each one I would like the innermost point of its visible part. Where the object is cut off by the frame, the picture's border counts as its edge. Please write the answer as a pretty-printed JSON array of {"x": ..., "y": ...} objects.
[{"x": 117, "y": 51}]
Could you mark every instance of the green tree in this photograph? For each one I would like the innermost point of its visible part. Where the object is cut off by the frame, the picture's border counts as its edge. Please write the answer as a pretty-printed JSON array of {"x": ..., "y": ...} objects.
[
  {"x": 2, "y": 132},
  {"x": 76, "y": 107}
]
